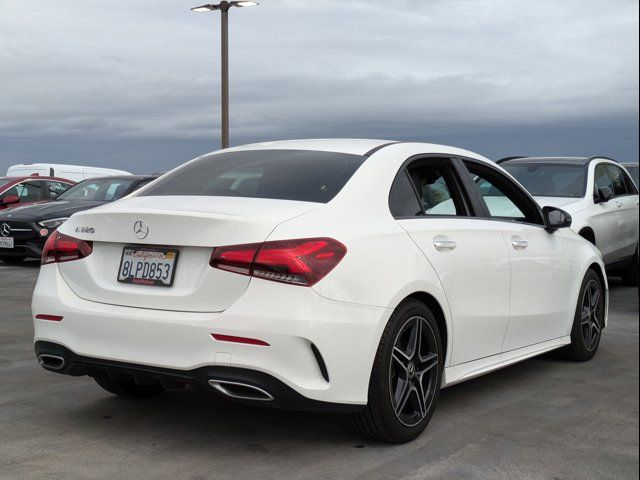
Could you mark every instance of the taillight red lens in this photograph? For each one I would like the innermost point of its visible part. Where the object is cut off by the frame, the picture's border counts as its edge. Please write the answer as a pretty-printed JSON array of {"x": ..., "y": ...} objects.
[
  {"x": 235, "y": 258},
  {"x": 63, "y": 248},
  {"x": 300, "y": 262}
]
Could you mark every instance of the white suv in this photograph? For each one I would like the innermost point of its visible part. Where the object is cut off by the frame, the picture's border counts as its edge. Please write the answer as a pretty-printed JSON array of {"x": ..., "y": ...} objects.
[{"x": 600, "y": 196}]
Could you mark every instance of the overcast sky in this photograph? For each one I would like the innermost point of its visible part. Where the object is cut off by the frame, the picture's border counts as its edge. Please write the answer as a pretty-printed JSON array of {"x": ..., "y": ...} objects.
[{"x": 135, "y": 84}]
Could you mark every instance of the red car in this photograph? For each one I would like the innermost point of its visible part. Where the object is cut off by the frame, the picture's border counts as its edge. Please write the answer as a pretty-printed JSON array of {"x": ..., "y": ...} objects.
[{"x": 16, "y": 191}]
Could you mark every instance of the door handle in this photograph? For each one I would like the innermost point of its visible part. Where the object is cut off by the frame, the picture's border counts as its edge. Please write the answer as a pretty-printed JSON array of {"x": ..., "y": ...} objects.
[
  {"x": 519, "y": 244},
  {"x": 444, "y": 244},
  {"x": 619, "y": 205}
]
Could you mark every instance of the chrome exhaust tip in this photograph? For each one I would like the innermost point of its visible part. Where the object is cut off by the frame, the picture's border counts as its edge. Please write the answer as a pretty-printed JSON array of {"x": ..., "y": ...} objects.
[
  {"x": 51, "y": 362},
  {"x": 241, "y": 391}
]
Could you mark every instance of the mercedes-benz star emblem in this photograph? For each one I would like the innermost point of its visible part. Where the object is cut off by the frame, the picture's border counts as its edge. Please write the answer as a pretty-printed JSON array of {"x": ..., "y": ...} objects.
[
  {"x": 5, "y": 230},
  {"x": 141, "y": 229}
]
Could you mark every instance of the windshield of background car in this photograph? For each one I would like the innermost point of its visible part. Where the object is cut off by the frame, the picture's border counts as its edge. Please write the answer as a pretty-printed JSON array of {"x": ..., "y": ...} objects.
[
  {"x": 550, "y": 180},
  {"x": 634, "y": 171},
  {"x": 98, "y": 190},
  {"x": 303, "y": 175}
]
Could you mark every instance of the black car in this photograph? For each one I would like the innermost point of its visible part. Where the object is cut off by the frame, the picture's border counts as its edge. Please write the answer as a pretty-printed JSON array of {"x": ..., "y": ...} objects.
[{"x": 24, "y": 230}]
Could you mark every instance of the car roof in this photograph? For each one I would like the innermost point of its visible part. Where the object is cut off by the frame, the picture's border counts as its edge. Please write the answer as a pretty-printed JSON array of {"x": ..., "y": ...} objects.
[
  {"x": 36, "y": 177},
  {"x": 120, "y": 177},
  {"x": 582, "y": 161},
  {"x": 353, "y": 146}
]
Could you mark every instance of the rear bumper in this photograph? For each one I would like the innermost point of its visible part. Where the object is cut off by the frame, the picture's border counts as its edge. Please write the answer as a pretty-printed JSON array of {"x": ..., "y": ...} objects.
[
  {"x": 303, "y": 330},
  {"x": 279, "y": 394}
]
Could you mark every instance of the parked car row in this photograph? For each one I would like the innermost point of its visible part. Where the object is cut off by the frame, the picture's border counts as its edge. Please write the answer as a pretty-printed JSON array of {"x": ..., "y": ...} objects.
[
  {"x": 25, "y": 229},
  {"x": 40, "y": 182},
  {"x": 359, "y": 276}
]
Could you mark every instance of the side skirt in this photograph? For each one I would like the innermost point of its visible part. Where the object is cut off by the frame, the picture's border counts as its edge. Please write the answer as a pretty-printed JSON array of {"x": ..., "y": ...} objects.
[{"x": 467, "y": 371}]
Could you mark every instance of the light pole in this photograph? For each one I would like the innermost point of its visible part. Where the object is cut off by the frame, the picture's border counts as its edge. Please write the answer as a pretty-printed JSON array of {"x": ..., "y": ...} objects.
[{"x": 224, "y": 44}]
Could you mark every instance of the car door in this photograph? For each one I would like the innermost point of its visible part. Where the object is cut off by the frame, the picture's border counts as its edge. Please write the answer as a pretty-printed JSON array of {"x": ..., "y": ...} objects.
[
  {"x": 540, "y": 266},
  {"x": 604, "y": 220},
  {"x": 626, "y": 207},
  {"x": 467, "y": 253}
]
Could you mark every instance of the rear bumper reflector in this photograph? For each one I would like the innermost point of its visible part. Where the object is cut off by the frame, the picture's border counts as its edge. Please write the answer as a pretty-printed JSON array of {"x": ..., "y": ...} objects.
[
  {"x": 233, "y": 339},
  {"x": 51, "y": 318}
]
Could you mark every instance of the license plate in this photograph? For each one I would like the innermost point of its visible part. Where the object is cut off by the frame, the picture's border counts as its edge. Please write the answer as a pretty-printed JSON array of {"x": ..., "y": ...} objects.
[
  {"x": 148, "y": 266},
  {"x": 6, "y": 242}
]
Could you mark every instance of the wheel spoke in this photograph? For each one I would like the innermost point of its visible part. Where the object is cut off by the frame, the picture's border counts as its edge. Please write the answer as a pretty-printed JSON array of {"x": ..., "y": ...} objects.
[
  {"x": 587, "y": 334},
  {"x": 400, "y": 355},
  {"x": 595, "y": 297},
  {"x": 401, "y": 396},
  {"x": 421, "y": 397},
  {"x": 427, "y": 363},
  {"x": 414, "y": 338},
  {"x": 588, "y": 297},
  {"x": 400, "y": 358},
  {"x": 586, "y": 315}
]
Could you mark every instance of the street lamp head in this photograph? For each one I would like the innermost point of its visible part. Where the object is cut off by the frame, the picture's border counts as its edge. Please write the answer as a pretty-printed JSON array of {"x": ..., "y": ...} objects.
[
  {"x": 223, "y": 6},
  {"x": 205, "y": 8}
]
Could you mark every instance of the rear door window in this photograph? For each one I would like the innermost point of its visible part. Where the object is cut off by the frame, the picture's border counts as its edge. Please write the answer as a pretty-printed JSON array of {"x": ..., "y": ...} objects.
[
  {"x": 303, "y": 175},
  {"x": 427, "y": 187},
  {"x": 618, "y": 180},
  {"x": 437, "y": 189}
]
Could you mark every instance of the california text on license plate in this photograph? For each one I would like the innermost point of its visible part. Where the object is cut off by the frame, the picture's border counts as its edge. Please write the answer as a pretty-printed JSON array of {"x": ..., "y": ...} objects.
[{"x": 148, "y": 266}]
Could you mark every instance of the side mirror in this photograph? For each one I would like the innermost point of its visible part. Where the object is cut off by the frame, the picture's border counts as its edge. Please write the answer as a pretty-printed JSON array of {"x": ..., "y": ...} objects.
[
  {"x": 604, "y": 195},
  {"x": 10, "y": 200},
  {"x": 555, "y": 218}
]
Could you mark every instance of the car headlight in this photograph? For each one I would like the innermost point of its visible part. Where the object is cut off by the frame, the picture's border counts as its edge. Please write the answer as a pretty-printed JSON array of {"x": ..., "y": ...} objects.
[{"x": 53, "y": 223}]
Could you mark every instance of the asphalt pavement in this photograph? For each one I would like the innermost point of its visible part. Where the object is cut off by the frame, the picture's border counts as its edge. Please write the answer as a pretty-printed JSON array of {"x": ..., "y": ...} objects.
[{"x": 541, "y": 419}]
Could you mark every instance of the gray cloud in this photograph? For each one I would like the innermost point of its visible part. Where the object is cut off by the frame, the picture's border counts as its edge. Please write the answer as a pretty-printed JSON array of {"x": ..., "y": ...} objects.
[{"x": 83, "y": 74}]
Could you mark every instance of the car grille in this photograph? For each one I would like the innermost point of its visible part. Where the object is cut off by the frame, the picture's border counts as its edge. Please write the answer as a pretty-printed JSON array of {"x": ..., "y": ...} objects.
[{"x": 18, "y": 230}]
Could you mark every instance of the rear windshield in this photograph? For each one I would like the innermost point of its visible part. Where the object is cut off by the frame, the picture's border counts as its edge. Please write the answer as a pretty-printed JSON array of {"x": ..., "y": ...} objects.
[
  {"x": 303, "y": 175},
  {"x": 98, "y": 190},
  {"x": 550, "y": 180}
]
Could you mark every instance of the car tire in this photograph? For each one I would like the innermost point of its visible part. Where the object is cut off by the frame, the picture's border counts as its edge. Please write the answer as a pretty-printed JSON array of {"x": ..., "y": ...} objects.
[
  {"x": 405, "y": 380},
  {"x": 11, "y": 260},
  {"x": 127, "y": 388},
  {"x": 588, "y": 321},
  {"x": 630, "y": 273}
]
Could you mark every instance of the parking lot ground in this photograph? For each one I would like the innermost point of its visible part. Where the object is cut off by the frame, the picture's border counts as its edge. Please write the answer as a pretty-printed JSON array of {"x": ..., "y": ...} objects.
[{"x": 542, "y": 419}]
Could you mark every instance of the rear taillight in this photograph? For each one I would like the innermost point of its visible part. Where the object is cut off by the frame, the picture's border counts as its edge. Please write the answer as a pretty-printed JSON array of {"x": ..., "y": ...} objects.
[
  {"x": 63, "y": 248},
  {"x": 299, "y": 262}
]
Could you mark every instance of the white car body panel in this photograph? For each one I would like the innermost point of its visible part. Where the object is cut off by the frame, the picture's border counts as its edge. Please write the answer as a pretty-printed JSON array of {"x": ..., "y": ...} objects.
[
  {"x": 540, "y": 271},
  {"x": 490, "y": 322}
]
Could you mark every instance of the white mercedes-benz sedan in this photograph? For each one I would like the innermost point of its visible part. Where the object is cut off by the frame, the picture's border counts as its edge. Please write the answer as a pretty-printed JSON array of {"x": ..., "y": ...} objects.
[{"x": 351, "y": 275}]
